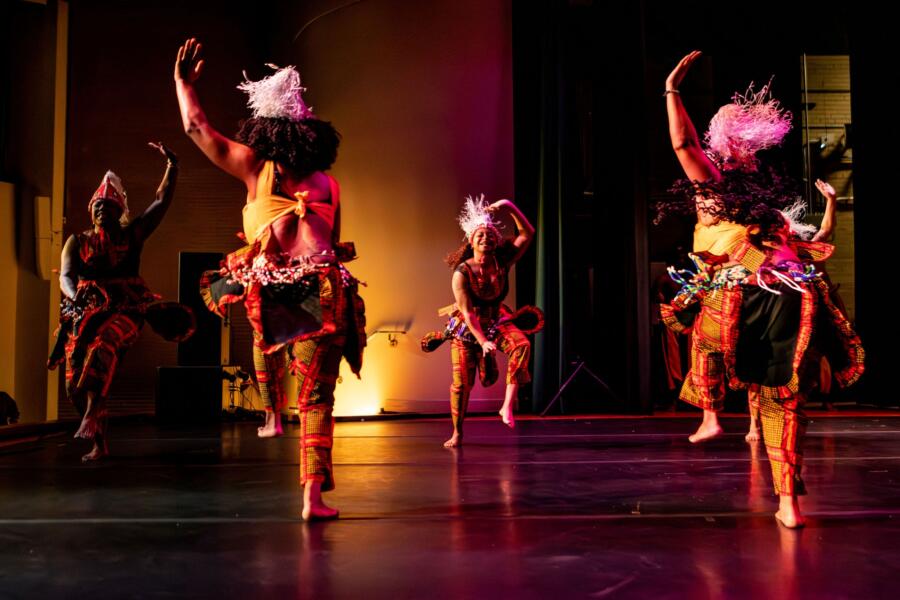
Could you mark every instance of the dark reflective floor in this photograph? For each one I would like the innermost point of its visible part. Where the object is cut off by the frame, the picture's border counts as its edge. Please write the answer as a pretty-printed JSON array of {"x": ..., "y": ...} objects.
[{"x": 588, "y": 508}]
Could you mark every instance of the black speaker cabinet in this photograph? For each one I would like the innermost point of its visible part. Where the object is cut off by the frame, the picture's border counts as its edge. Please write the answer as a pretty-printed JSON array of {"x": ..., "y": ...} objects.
[
  {"x": 204, "y": 348},
  {"x": 188, "y": 395}
]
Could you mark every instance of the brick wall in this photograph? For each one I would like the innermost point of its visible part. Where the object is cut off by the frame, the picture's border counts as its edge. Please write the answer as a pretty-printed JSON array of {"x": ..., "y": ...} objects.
[{"x": 824, "y": 129}]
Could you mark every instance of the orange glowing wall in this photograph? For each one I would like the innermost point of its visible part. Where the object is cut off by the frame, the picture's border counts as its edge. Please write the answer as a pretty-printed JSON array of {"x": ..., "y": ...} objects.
[{"x": 422, "y": 94}]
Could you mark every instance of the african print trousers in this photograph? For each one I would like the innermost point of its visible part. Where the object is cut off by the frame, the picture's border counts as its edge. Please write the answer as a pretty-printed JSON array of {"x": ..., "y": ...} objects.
[
  {"x": 270, "y": 376},
  {"x": 711, "y": 336},
  {"x": 91, "y": 367},
  {"x": 316, "y": 365},
  {"x": 783, "y": 427},
  {"x": 466, "y": 357}
]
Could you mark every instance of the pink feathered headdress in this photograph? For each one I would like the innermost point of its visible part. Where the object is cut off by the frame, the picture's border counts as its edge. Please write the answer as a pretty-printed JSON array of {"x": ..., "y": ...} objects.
[{"x": 752, "y": 122}]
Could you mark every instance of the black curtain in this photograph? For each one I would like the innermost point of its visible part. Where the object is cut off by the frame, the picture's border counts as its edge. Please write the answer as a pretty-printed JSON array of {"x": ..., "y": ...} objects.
[
  {"x": 592, "y": 148},
  {"x": 875, "y": 133},
  {"x": 539, "y": 111},
  {"x": 580, "y": 161}
]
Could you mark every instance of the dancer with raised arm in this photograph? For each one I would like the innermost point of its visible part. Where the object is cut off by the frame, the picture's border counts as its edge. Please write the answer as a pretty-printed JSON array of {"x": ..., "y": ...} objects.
[
  {"x": 301, "y": 301},
  {"x": 106, "y": 302},
  {"x": 822, "y": 234},
  {"x": 479, "y": 323},
  {"x": 755, "y": 300}
]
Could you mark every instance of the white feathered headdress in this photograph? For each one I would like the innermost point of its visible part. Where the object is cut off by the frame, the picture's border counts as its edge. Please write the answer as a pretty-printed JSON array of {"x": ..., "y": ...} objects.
[
  {"x": 475, "y": 215},
  {"x": 794, "y": 215},
  {"x": 278, "y": 96}
]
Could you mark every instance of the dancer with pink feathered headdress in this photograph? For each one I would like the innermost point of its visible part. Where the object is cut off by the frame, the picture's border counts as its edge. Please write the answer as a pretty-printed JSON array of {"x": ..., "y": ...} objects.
[{"x": 755, "y": 299}]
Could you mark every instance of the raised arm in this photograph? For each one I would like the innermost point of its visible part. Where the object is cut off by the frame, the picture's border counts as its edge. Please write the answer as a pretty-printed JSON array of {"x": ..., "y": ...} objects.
[
  {"x": 235, "y": 159},
  {"x": 153, "y": 215},
  {"x": 829, "y": 219},
  {"x": 68, "y": 271},
  {"x": 685, "y": 141},
  {"x": 464, "y": 303},
  {"x": 524, "y": 229}
]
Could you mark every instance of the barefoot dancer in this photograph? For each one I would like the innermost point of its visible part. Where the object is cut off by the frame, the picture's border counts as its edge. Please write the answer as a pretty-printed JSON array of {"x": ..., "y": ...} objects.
[
  {"x": 479, "y": 321},
  {"x": 752, "y": 305},
  {"x": 716, "y": 238},
  {"x": 823, "y": 234},
  {"x": 300, "y": 299},
  {"x": 105, "y": 300}
]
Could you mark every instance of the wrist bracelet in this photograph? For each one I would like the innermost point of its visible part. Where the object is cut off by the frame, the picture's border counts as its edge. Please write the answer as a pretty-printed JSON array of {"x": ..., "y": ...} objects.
[{"x": 667, "y": 92}]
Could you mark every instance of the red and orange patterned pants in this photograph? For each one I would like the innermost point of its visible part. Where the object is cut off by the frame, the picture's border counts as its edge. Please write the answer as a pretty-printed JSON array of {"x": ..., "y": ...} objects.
[
  {"x": 783, "y": 427},
  {"x": 91, "y": 364},
  {"x": 465, "y": 358},
  {"x": 316, "y": 365}
]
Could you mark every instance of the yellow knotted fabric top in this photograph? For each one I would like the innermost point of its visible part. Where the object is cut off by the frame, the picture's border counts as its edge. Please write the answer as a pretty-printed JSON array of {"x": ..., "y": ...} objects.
[
  {"x": 268, "y": 207},
  {"x": 719, "y": 239}
]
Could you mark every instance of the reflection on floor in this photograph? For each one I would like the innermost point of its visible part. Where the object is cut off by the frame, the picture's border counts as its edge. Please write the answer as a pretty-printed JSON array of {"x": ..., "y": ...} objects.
[{"x": 556, "y": 508}]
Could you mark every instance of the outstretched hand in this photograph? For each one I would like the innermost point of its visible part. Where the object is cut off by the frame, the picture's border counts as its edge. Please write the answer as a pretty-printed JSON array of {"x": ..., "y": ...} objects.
[
  {"x": 678, "y": 73},
  {"x": 165, "y": 151},
  {"x": 826, "y": 190},
  {"x": 188, "y": 63}
]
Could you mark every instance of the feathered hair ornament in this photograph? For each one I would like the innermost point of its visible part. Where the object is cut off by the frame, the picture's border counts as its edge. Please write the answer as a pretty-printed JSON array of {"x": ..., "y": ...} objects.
[
  {"x": 475, "y": 215},
  {"x": 752, "y": 122},
  {"x": 794, "y": 214},
  {"x": 278, "y": 96}
]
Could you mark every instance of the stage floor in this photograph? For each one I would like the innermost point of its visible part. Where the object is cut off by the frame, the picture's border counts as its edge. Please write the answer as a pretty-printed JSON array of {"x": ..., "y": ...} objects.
[{"x": 562, "y": 508}]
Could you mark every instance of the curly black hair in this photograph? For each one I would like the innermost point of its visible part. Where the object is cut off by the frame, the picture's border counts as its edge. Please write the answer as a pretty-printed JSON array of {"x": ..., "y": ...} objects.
[
  {"x": 743, "y": 197},
  {"x": 304, "y": 146}
]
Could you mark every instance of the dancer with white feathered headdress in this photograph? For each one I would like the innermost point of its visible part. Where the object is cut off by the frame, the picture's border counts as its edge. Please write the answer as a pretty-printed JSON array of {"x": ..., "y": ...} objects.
[
  {"x": 479, "y": 323},
  {"x": 301, "y": 301}
]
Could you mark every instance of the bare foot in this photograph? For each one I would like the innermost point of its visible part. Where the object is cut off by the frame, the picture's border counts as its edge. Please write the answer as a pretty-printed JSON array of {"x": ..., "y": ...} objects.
[
  {"x": 99, "y": 451},
  {"x": 314, "y": 508},
  {"x": 455, "y": 441},
  {"x": 752, "y": 435},
  {"x": 508, "y": 418},
  {"x": 272, "y": 428},
  {"x": 789, "y": 512},
  {"x": 705, "y": 432},
  {"x": 790, "y": 521},
  {"x": 319, "y": 512}
]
